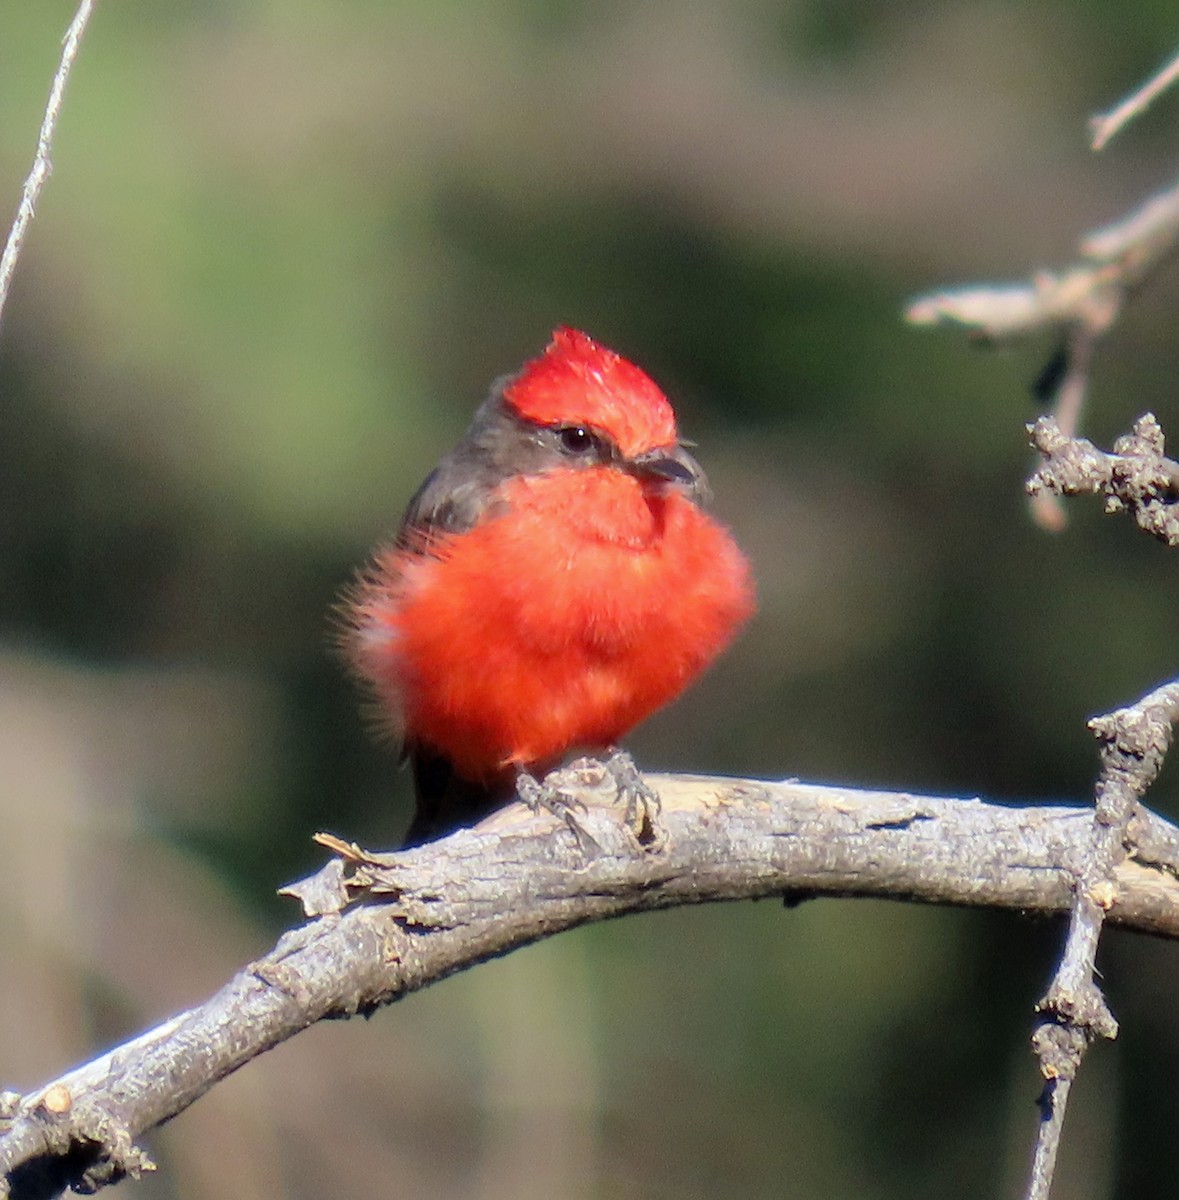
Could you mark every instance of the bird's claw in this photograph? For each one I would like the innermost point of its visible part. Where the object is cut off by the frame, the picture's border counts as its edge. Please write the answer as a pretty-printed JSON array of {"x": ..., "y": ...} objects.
[
  {"x": 542, "y": 796},
  {"x": 643, "y": 806}
]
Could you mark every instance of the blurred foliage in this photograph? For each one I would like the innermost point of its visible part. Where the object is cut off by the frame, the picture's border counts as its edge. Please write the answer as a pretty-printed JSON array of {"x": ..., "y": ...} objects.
[{"x": 284, "y": 250}]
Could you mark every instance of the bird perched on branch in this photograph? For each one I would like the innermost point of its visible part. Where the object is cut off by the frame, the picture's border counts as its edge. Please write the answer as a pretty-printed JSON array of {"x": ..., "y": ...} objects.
[{"x": 555, "y": 580}]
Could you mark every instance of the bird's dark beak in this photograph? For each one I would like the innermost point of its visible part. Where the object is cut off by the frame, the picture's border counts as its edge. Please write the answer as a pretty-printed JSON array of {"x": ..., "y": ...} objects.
[{"x": 673, "y": 466}]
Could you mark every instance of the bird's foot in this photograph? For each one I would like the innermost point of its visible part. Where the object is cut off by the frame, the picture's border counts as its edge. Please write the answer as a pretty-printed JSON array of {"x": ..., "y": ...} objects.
[
  {"x": 543, "y": 796},
  {"x": 643, "y": 806},
  {"x": 558, "y": 794}
]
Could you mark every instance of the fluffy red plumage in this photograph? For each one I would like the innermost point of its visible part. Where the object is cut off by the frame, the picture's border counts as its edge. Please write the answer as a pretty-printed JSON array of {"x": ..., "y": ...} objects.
[{"x": 555, "y": 581}]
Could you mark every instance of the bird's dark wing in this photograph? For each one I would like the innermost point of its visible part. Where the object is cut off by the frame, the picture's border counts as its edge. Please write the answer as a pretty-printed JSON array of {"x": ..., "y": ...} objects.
[
  {"x": 499, "y": 445},
  {"x": 453, "y": 498}
]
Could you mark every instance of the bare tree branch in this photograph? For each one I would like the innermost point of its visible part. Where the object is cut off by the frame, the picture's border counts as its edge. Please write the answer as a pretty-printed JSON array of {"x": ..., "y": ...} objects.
[
  {"x": 42, "y": 160},
  {"x": 390, "y": 924}
]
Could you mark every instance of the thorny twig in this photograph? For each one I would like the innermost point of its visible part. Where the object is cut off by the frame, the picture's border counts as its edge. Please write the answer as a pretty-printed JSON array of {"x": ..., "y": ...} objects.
[
  {"x": 42, "y": 161},
  {"x": 1073, "y": 1012},
  {"x": 1137, "y": 477}
]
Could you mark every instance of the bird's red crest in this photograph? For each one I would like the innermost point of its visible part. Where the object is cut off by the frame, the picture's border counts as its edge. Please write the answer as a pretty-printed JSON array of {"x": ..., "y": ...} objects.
[{"x": 578, "y": 382}]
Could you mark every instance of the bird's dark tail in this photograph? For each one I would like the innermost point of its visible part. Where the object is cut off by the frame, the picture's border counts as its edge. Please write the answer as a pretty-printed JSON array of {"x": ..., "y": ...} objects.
[{"x": 445, "y": 800}]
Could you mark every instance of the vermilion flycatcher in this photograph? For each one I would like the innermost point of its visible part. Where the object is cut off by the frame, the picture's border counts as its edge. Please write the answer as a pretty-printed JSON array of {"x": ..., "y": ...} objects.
[{"x": 555, "y": 580}]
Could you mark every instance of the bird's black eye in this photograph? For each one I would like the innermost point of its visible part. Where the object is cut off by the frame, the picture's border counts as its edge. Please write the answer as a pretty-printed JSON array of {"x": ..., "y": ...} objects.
[{"x": 577, "y": 439}]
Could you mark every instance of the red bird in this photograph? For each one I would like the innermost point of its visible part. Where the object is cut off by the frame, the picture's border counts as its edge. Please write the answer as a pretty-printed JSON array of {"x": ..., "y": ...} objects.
[{"x": 555, "y": 580}]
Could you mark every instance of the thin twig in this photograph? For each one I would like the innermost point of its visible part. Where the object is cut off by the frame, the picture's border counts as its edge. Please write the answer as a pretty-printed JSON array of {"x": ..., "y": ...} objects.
[
  {"x": 1074, "y": 1013},
  {"x": 1103, "y": 126},
  {"x": 42, "y": 161},
  {"x": 394, "y": 923}
]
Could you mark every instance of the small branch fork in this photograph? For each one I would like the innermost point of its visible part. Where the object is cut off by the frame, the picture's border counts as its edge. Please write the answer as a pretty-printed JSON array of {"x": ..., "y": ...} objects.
[{"x": 1073, "y": 1012}]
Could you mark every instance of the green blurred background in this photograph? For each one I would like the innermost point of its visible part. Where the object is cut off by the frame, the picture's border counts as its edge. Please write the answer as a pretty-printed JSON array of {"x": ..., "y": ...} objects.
[{"x": 284, "y": 249}]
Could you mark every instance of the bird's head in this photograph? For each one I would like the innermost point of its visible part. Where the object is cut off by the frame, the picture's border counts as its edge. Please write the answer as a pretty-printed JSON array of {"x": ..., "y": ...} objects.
[{"x": 603, "y": 409}]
